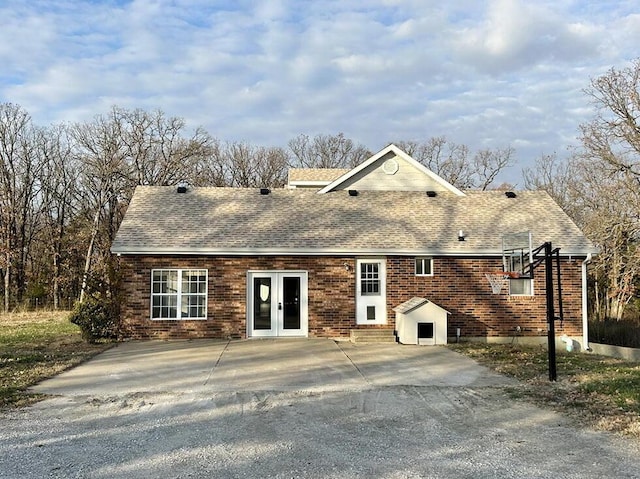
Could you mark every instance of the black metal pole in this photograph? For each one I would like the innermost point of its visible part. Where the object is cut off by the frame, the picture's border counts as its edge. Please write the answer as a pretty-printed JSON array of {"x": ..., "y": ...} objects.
[{"x": 551, "y": 332}]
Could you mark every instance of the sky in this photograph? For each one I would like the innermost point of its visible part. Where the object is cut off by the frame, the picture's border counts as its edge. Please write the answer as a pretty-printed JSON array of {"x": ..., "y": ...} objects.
[{"x": 487, "y": 74}]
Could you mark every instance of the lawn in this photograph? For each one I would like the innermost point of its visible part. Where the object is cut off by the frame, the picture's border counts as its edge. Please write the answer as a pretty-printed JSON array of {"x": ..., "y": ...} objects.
[
  {"x": 36, "y": 346},
  {"x": 600, "y": 391}
]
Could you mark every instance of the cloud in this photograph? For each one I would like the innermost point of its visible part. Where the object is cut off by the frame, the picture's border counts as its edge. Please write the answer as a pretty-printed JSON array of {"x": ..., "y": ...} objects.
[
  {"x": 491, "y": 74},
  {"x": 517, "y": 34}
]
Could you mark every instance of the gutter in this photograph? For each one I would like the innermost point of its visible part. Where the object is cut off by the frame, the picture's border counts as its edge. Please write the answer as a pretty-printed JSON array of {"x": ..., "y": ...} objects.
[
  {"x": 585, "y": 312},
  {"x": 244, "y": 251}
]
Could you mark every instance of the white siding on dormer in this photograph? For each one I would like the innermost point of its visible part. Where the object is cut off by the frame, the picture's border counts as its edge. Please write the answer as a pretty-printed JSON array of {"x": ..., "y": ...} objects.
[{"x": 407, "y": 178}]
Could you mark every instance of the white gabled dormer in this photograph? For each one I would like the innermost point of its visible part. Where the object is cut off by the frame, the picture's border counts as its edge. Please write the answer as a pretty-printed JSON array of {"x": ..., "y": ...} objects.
[{"x": 391, "y": 169}]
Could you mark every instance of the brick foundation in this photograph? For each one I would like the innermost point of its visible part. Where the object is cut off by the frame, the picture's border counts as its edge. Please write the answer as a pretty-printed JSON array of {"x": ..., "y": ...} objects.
[{"x": 458, "y": 285}]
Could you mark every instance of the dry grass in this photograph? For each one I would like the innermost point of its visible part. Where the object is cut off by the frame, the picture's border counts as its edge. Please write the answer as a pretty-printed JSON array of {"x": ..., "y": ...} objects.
[
  {"x": 600, "y": 391},
  {"x": 36, "y": 346}
]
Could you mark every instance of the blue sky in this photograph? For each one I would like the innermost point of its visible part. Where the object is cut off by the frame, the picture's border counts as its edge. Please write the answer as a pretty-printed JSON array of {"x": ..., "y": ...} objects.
[{"x": 491, "y": 73}]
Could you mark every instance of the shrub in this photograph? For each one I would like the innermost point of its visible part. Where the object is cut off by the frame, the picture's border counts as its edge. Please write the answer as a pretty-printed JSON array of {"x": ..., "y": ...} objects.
[{"x": 97, "y": 318}]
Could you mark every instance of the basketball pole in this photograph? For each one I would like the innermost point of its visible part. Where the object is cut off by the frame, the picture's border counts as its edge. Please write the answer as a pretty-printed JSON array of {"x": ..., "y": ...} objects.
[{"x": 551, "y": 316}]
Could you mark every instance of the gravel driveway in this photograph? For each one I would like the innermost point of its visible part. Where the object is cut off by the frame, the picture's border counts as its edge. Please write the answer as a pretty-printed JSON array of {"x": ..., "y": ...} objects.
[{"x": 296, "y": 408}]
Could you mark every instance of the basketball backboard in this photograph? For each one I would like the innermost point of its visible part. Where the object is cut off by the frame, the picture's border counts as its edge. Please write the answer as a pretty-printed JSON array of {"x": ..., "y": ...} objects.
[{"x": 517, "y": 252}]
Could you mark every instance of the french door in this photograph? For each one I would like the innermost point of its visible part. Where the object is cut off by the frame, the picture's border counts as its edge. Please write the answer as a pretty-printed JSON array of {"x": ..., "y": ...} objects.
[{"x": 277, "y": 304}]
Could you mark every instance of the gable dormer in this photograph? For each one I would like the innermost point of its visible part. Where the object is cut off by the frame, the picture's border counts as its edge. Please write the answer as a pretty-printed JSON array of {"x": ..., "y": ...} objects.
[{"x": 391, "y": 169}]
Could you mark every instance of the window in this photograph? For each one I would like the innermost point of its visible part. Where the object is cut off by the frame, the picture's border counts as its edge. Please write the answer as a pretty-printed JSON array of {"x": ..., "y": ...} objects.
[
  {"x": 424, "y": 266},
  {"x": 179, "y": 294},
  {"x": 521, "y": 287},
  {"x": 370, "y": 279}
]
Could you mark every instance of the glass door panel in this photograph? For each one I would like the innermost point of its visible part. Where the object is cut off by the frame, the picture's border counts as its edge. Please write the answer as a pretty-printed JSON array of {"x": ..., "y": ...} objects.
[
  {"x": 291, "y": 302},
  {"x": 262, "y": 311}
]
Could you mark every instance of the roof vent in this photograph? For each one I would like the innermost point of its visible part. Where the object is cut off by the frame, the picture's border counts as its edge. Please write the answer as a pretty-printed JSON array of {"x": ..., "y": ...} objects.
[
  {"x": 265, "y": 191},
  {"x": 182, "y": 189},
  {"x": 510, "y": 194},
  {"x": 353, "y": 192},
  {"x": 431, "y": 194}
]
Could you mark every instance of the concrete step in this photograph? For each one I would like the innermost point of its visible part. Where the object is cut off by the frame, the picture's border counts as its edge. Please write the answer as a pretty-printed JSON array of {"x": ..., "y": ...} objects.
[{"x": 372, "y": 336}]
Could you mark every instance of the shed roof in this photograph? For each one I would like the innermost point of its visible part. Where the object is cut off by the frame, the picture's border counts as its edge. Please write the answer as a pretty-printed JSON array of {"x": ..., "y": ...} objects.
[{"x": 228, "y": 221}]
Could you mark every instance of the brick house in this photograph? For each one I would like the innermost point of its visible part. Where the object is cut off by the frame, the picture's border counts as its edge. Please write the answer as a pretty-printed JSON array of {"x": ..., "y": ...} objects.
[{"x": 336, "y": 251}]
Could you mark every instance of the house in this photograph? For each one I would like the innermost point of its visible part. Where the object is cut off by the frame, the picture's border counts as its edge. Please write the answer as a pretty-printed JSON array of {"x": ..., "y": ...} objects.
[{"x": 337, "y": 251}]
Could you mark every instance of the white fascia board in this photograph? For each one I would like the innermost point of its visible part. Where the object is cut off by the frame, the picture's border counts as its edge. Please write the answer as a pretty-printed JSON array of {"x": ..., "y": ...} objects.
[{"x": 319, "y": 252}]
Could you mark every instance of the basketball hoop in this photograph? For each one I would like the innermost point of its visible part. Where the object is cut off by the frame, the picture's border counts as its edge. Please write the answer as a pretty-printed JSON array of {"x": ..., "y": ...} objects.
[{"x": 496, "y": 280}]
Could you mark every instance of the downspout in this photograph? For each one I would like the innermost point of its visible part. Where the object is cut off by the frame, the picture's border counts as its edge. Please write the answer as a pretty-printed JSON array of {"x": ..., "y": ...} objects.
[{"x": 585, "y": 313}]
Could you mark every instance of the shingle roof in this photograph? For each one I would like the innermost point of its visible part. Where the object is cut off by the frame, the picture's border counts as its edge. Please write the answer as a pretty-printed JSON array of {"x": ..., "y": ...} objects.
[
  {"x": 242, "y": 221},
  {"x": 316, "y": 174}
]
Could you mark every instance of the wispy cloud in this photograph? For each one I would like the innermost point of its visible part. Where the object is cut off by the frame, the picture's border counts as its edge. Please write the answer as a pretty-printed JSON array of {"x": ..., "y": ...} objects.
[{"x": 504, "y": 72}]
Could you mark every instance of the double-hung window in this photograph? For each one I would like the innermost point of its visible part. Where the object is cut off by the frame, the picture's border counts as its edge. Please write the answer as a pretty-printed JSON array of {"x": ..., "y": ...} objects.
[
  {"x": 179, "y": 294},
  {"x": 424, "y": 266}
]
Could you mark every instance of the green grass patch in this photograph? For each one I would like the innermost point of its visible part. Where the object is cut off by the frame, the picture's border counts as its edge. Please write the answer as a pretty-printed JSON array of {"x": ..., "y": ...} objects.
[
  {"x": 601, "y": 391},
  {"x": 36, "y": 346}
]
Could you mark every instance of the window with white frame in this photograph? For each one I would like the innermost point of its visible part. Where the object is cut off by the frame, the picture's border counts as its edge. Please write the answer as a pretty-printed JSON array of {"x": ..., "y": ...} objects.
[
  {"x": 370, "y": 279},
  {"x": 424, "y": 266},
  {"x": 179, "y": 294},
  {"x": 521, "y": 287}
]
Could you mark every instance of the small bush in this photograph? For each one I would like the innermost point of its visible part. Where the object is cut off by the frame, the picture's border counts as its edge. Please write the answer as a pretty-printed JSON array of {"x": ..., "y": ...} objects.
[{"x": 97, "y": 318}]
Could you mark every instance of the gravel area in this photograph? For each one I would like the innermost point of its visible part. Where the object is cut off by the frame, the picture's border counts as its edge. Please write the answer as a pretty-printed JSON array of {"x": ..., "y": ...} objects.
[{"x": 374, "y": 427}]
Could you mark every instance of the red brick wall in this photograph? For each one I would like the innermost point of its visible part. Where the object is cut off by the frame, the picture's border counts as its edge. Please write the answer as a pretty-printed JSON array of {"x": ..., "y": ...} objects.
[
  {"x": 331, "y": 295},
  {"x": 458, "y": 285}
]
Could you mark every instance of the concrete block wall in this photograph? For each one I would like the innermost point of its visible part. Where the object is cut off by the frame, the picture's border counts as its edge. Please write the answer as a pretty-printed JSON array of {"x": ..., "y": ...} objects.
[{"x": 458, "y": 285}]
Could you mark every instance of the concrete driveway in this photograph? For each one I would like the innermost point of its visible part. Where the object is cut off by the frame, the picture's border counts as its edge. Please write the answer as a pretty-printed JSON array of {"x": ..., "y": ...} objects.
[
  {"x": 296, "y": 408},
  {"x": 203, "y": 366}
]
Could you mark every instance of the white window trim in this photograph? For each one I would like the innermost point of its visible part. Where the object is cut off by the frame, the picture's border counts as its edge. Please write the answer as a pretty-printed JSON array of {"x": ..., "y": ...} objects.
[
  {"x": 522, "y": 295},
  {"x": 179, "y": 295},
  {"x": 415, "y": 268}
]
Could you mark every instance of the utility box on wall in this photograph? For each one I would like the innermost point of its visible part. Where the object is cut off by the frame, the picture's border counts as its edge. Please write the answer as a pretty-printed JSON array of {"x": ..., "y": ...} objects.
[{"x": 419, "y": 321}]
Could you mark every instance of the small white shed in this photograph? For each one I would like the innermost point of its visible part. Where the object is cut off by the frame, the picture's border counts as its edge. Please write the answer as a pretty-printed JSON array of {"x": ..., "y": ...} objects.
[{"x": 419, "y": 321}]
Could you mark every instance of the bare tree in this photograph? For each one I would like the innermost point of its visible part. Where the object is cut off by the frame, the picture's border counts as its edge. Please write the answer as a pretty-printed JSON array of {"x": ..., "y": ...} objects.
[
  {"x": 554, "y": 176},
  {"x": 613, "y": 136},
  {"x": 609, "y": 174},
  {"x": 105, "y": 181},
  {"x": 20, "y": 170},
  {"x": 326, "y": 151},
  {"x": 488, "y": 163},
  {"x": 156, "y": 149},
  {"x": 213, "y": 169},
  {"x": 612, "y": 208},
  {"x": 454, "y": 162},
  {"x": 250, "y": 166},
  {"x": 59, "y": 196}
]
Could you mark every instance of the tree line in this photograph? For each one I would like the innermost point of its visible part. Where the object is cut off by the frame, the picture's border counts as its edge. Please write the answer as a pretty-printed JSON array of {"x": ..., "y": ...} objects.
[
  {"x": 599, "y": 187},
  {"x": 64, "y": 188}
]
